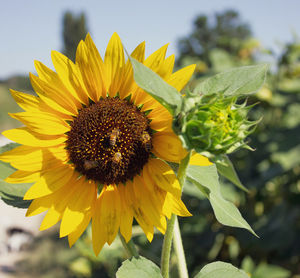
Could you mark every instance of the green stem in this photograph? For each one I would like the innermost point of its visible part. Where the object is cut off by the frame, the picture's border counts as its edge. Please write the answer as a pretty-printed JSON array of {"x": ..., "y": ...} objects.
[
  {"x": 129, "y": 247},
  {"x": 166, "y": 249},
  {"x": 178, "y": 247},
  {"x": 167, "y": 244}
]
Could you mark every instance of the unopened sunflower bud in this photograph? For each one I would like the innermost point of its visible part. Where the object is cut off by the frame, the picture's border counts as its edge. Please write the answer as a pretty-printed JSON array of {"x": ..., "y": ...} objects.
[{"x": 215, "y": 124}]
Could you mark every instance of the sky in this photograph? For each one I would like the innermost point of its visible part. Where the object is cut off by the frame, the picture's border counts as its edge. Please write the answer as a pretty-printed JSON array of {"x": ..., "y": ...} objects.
[{"x": 30, "y": 29}]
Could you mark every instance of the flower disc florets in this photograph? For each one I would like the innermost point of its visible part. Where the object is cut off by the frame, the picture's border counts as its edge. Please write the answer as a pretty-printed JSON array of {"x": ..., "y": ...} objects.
[
  {"x": 215, "y": 124},
  {"x": 109, "y": 141}
]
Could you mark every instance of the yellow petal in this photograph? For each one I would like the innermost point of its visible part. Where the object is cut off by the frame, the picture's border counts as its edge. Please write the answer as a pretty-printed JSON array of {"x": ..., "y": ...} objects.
[
  {"x": 161, "y": 120},
  {"x": 199, "y": 160},
  {"x": 25, "y": 101},
  {"x": 25, "y": 136},
  {"x": 81, "y": 202},
  {"x": 166, "y": 68},
  {"x": 70, "y": 75},
  {"x": 114, "y": 62},
  {"x": 40, "y": 205},
  {"x": 180, "y": 78},
  {"x": 32, "y": 104},
  {"x": 175, "y": 205},
  {"x": 34, "y": 159},
  {"x": 128, "y": 85},
  {"x": 90, "y": 72},
  {"x": 168, "y": 147},
  {"x": 23, "y": 177},
  {"x": 147, "y": 204},
  {"x": 49, "y": 182},
  {"x": 156, "y": 59},
  {"x": 99, "y": 65},
  {"x": 140, "y": 217},
  {"x": 52, "y": 78},
  {"x": 126, "y": 215},
  {"x": 54, "y": 98},
  {"x": 106, "y": 220},
  {"x": 160, "y": 173},
  {"x": 73, "y": 237},
  {"x": 60, "y": 199},
  {"x": 44, "y": 123}
]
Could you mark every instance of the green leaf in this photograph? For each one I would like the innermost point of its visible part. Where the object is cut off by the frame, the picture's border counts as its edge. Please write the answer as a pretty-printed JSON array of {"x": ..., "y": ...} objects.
[
  {"x": 221, "y": 270},
  {"x": 226, "y": 169},
  {"x": 270, "y": 271},
  {"x": 138, "y": 268},
  {"x": 154, "y": 85},
  {"x": 206, "y": 179},
  {"x": 237, "y": 81},
  {"x": 12, "y": 194}
]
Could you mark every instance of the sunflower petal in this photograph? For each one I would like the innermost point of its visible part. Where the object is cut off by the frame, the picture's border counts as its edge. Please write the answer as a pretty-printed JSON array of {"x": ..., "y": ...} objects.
[
  {"x": 73, "y": 237},
  {"x": 180, "y": 78},
  {"x": 70, "y": 76},
  {"x": 33, "y": 159},
  {"x": 43, "y": 123},
  {"x": 81, "y": 202},
  {"x": 23, "y": 177},
  {"x": 126, "y": 215},
  {"x": 114, "y": 62},
  {"x": 156, "y": 59},
  {"x": 128, "y": 85},
  {"x": 160, "y": 173},
  {"x": 26, "y": 101},
  {"x": 199, "y": 160},
  {"x": 49, "y": 183},
  {"x": 59, "y": 203},
  {"x": 168, "y": 147},
  {"x": 176, "y": 205},
  {"x": 106, "y": 220},
  {"x": 52, "y": 78},
  {"x": 140, "y": 217},
  {"x": 147, "y": 204},
  {"x": 25, "y": 136},
  {"x": 91, "y": 72}
]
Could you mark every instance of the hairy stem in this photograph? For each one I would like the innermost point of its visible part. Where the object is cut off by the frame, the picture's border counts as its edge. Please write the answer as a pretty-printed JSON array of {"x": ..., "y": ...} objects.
[
  {"x": 167, "y": 244},
  {"x": 178, "y": 247},
  {"x": 129, "y": 247},
  {"x": 166, "y": 249}
]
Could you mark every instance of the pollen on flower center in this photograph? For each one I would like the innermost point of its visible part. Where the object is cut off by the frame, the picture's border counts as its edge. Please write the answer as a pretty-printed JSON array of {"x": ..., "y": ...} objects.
[{"x": 109, "y": 141}]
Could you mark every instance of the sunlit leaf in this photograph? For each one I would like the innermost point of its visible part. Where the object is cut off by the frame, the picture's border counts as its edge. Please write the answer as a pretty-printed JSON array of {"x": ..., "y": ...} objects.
[
  {"x": 221, "y": 270},
  {"x": 138, "y": 268},
  {"x": 237, "y": 81},
  {"x": 226, "y": 169},
  {"x": 270, "y": 271},
  {"x": 225, "y": 211},
  {"x": 153, "y": 84}
]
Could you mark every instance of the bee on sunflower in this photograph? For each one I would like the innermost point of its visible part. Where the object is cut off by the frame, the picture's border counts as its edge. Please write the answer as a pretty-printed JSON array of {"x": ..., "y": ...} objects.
[{"x": 96, "y": 146}]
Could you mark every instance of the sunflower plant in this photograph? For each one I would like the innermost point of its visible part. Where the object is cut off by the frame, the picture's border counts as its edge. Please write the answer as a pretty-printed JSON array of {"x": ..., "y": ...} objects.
[{"x": 111, "y": 141}]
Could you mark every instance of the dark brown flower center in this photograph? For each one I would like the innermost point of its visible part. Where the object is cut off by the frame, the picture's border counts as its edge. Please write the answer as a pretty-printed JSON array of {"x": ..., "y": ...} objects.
[{"x": 110, "y": 141}]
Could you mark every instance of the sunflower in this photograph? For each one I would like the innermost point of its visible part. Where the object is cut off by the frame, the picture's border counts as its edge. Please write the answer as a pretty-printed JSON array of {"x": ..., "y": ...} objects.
[{"x": 95, "y": 145}]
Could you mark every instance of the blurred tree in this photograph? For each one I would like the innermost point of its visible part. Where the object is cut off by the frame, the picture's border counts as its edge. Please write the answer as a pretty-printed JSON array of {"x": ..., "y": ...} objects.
[
  {"x": 74, "y": 30},
  {"x": 226, "y": 31},
  {"x": 272, "y": 173}
]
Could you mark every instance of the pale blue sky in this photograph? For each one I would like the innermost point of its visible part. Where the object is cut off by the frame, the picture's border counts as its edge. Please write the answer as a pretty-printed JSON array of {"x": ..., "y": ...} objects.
[{"x": 30, "y": 29}]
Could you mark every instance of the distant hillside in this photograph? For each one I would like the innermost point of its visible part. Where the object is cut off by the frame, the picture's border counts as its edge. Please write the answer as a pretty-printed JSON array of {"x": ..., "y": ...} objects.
[{"x": 7, "y": 103}]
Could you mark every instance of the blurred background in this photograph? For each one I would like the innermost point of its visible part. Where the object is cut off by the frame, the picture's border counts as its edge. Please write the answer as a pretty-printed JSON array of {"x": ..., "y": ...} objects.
[{"x": 216, "y": 35}]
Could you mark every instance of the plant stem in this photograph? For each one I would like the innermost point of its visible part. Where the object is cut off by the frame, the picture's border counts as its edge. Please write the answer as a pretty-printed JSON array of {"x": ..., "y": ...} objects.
[
  {"x": 166, "y": 249},
  {"x": 178, "y": 247},
  {"x": 167, "y": 244},
  {"x": 129, "y": 247}
]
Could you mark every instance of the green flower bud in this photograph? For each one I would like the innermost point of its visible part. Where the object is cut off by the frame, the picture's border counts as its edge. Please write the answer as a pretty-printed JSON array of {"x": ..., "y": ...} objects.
[{"x": 213, "y": 123}]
